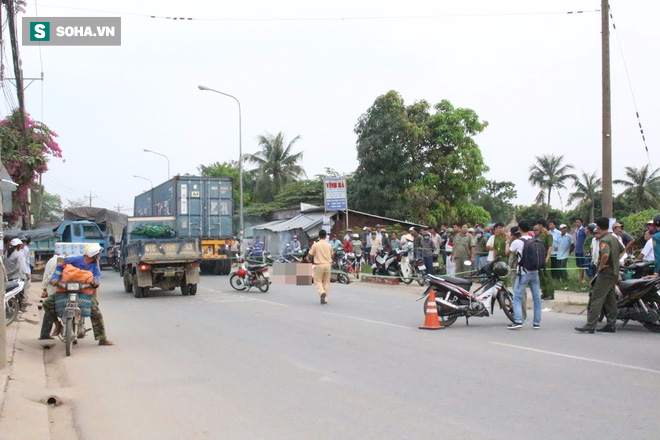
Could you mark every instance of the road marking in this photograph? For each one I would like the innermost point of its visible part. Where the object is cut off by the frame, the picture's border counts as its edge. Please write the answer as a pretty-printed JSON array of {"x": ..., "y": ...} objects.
[
  {"x": 369, "y": 320},
  {"x": 580, "y": 358},
  {"x": 269, "y": 302}
]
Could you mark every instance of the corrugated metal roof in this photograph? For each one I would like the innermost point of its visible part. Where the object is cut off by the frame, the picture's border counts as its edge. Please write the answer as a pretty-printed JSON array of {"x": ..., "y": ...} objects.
[{"x": 301, "y": 221}]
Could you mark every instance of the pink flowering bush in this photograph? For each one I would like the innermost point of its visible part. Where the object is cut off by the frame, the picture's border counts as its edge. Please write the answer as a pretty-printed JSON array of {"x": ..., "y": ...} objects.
[{"x": 25, "y": 159}]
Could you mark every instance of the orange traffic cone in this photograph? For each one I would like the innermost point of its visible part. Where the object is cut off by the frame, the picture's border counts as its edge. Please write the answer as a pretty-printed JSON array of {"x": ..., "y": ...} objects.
[{"x": 432, "y": 321}]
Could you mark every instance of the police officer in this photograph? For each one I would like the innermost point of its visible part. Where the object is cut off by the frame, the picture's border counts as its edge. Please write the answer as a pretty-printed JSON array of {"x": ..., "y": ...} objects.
[{"x": 610, "y": 250}]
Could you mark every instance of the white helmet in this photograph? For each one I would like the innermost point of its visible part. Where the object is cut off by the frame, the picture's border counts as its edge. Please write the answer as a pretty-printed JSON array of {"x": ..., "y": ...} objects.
[
  {"x": 15, "y": 242},
  {"x": 92, "y": 250},
  {"x": 356, "y": 236}
]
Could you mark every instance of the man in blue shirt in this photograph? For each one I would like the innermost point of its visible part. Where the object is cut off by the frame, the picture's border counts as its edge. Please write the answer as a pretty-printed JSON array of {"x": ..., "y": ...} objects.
[
  {"x": 556, "y": 235},
  {"x": 580, "y": 236},
  {"x": 564, "y": 249},
  {"x": 89, "y": 262},
  {"x": 656, "y": 243}
]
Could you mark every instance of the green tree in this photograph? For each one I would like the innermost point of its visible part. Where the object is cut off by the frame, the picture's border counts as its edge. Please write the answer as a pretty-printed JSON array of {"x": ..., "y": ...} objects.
[
  {"x": 495, "y": 198},
  {"x": 25, "y": 152},
  {"x": 276, "y": 166},
  {"x": 587, "y": 191},
  {"x": 230, "y": 170},
  {"x": 642, "y": 187},
  {"x": 417, "y": 162},
  {"x": 532, "y": 213},
  {"x": 46, "y": 207},
  {"x": 635, "y": 224},
  {"x": 549, "y": 174}
]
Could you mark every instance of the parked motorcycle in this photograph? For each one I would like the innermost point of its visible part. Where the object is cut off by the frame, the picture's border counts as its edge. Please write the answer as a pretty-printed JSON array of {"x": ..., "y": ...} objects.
[
  {"x": 341, "y": 266},
  {"x": 454, "y": 300},
  {"x": 419, "y": 272},
  {"x": 637, "y": 269},
  {"x": 12, "y": 304},
  {"x": 406, "y": 270},
  {"x": 354, "y": 263},
  {"x": 72, "y": 307},
  {"x": 386, "y": 263},
  {"x": 639, "y": 300},
  {"x": 252, "y": 275}
]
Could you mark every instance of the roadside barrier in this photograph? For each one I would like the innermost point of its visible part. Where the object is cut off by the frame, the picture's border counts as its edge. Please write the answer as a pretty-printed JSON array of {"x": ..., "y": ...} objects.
[{"x": 432, "y": 321}]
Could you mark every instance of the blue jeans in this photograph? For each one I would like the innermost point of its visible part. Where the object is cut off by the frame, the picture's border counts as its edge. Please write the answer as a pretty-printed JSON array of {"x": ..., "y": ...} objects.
[
  {"x": 522, "y": 280},
  {"x": 428, "y": 262}
]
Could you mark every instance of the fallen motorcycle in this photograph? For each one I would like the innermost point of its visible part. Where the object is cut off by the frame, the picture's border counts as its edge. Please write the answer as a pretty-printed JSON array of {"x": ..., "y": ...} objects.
[
  {"x": 454, "y": 300},
  {"x": 639, "y": 300},
  {"x": 252, "y": 275}
]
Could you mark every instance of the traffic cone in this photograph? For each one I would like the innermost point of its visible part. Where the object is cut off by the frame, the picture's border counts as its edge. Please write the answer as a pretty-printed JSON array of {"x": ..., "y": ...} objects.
[{"x": 432, "y": 321}]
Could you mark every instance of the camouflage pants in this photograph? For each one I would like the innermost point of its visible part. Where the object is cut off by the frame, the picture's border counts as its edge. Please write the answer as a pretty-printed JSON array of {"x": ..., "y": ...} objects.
[{"x": 50, "y": 316}]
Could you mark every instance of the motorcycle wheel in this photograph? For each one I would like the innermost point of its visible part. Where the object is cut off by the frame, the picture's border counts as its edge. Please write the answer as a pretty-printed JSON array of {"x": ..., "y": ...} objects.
[
  {"x": 68, "y": 335},
  {"x": 508, "y": 305},
  {"x": 264, "y": 287},
  {"x": 237, "y": 282},
  {"x": 445, "y": 320},
  {"x": 342, "y": 278},
  {"x": 11, "y": 310},
  {"x": 405, "y": 280}
]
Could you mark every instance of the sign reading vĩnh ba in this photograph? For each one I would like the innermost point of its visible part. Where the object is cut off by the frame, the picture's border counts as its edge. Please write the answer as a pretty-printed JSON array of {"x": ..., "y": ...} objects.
[{"x": 335, "y": 193}]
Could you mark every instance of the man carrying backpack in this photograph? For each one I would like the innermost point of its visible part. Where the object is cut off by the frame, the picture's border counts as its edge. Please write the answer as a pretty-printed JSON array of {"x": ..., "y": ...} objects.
[{"x": 531, "y": 258}]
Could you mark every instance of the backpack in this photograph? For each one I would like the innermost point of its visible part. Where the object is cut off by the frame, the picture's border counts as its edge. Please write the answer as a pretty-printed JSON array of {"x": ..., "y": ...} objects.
[{"x": 533, "y": 255}]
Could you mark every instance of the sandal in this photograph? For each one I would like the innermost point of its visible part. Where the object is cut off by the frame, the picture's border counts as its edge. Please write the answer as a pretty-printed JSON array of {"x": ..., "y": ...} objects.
[{"x": 106, "y": 342}]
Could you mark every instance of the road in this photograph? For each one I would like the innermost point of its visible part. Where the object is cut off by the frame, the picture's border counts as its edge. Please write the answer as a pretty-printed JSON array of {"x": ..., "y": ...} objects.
[{"x": 230, "y": 365}]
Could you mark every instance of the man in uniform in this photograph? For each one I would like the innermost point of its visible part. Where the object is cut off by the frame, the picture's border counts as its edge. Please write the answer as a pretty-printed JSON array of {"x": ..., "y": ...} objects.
[
  {"x": 603, "y": 293},
  {"x": 545, "y": 237},
  {"x": 322, "y": 253},
  {"x": 464, "y": 249}
]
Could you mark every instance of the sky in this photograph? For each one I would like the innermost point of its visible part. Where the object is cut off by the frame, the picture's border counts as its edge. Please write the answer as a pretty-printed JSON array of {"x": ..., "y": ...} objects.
[{"x": 311, "y": 69}]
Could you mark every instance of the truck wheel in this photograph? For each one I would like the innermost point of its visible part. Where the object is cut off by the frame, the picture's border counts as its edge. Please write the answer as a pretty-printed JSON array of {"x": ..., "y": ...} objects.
[
  {"x": 138, "y": 291},
  {"x": 193, "y": 289},
  {"x": 128, "y": 283},
  {"x": 185, "y": 288}
]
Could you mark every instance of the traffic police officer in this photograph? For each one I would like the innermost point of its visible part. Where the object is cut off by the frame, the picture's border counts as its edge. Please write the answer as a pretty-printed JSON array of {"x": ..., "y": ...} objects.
[{"x": 603, "y": 293}]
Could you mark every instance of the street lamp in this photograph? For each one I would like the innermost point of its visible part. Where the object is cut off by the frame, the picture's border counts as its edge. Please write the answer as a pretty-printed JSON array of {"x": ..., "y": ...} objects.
[
  {"x": 240, "y": 161},
  {"x": 144, "y": 178},
  {"x": 160, "y": 154}
]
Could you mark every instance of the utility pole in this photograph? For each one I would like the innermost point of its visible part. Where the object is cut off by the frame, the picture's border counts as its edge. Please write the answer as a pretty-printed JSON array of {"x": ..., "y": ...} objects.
[
  {"x": 118, "y": 207},
  {"x": 3, "y": 327},
  {"x": 18, "y": 72},
  {"x": 90, "y": 199},
  {"x": 607, "y": 210}
]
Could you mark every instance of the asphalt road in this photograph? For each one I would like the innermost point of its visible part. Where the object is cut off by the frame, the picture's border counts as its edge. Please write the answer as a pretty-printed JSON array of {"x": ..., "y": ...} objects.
[{"x": 230, "y": 365}]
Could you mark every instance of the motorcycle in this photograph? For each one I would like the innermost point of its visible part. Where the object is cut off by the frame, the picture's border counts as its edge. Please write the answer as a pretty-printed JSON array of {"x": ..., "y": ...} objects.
[
  {"x": 341, "y": 266},
  {"x": 386, "y": 263},
  {"x": 638, "y": 300},
  {"x": 252, "y": 275},
  {"x": 454, "y": 300},
  {"x": 12, "y": 304},
  {"x": 72, "y": 307},
  {"x": 637, "y": 269},
  {"x": 116, "y": 264},
  {"x": 419, "y": 272},
  {"x": 354, "y": 263},
  {"x": 406, "y": 270}
]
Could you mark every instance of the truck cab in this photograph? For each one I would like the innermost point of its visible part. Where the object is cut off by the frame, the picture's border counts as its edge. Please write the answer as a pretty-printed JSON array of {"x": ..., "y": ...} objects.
[{"x": 84, "y": 231}]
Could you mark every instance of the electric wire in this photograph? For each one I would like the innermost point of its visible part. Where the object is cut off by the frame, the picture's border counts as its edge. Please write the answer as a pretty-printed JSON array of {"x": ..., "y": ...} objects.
[
  {"x": 632, "y": 93},
  {"x": 41, "y": 64},
  {"x": 355, "y": 18}
]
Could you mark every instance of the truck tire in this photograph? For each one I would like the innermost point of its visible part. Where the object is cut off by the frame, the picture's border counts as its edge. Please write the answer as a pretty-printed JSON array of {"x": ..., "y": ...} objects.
[
  {"x": 138, "y": 291},
  {"x": 193, "y": 289},
  {"x": 185, "y": 289},
  {"x": 128, "y": 283}
]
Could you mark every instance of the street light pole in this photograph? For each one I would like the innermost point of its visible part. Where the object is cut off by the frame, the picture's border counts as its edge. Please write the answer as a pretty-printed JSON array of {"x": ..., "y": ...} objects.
[
  {"x": 160, "y": 154},
  {"x": 240, "y": 163},
  {"x": 144, "y": 178}
]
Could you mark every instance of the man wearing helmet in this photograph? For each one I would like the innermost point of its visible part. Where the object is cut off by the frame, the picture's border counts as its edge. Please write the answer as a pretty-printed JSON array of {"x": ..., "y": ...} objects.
[
  {"x": 295, "y": 244},
  {"x": 89, "y": 262}
]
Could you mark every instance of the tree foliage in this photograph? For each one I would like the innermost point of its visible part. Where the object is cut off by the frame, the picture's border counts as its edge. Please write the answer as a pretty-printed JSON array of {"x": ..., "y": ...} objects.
[
  {"x": 416, "y": 162},
  {"x": 46, "y": 207},
  {"x": 587, "y": 192},
  {"x": 549, "y": 174},
  {"x": 495, "y": 197},
  {"x": 25, "y": 156},
  {"x": 532, "y": 213},
  {"x": 642, "y": 187},
  {"x": 635, "y": 224},
  {"x": 276, "y": 166}
]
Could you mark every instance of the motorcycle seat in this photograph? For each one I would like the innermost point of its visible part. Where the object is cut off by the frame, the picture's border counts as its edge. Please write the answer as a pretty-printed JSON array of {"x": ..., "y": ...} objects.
[
  {"x": 10, "y": 285},
  {"x": 460, "y": 282},
  {"x": 629, "y": 286},
  {"x": 252, "y": 268}
]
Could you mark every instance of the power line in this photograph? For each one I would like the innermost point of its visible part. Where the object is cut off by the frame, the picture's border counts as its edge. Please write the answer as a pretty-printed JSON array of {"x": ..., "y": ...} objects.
[
  {"x": 355, "y": 18},
  {"x": 632, "y": 93}
]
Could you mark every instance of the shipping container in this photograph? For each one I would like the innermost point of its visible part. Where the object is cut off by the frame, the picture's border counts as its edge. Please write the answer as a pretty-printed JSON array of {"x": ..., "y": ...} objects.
[{"x": 203, "y": 208}]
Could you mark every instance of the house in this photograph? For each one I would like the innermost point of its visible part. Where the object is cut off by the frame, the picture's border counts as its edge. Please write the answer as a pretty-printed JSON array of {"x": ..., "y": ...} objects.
[{"x": 307, "y": 221}]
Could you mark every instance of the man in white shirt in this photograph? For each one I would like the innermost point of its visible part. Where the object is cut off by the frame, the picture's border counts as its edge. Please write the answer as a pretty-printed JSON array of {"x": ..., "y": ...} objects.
[
  {"x": 523, "y": 278},
  {"x": 647, "y": 252}
]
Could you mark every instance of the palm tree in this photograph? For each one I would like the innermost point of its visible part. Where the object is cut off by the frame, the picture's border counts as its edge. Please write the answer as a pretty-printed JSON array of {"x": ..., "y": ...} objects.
[
  {"x": 276, "y": 166},
  {"x": 642, "y": 187},
  {"x": 586, "y": 192},
  {"x": 548, "y": 174}
]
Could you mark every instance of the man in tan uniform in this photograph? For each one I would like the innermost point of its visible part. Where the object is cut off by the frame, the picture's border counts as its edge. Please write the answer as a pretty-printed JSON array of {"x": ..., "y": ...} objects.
[{"x": 322, "y": 253}]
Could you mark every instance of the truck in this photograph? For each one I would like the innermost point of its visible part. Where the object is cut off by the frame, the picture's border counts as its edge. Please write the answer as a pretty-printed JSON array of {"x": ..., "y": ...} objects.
[
  {"x": 203, "y": 208},
  {"x": 153, "y": 255},
  {"x": 44, "y": 238}
]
